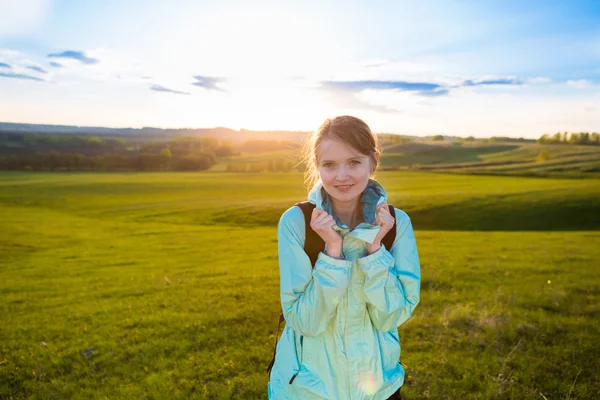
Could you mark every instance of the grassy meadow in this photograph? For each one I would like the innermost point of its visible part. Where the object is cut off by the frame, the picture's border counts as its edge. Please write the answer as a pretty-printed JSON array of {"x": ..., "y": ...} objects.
[{"x": 165, "y": 285}]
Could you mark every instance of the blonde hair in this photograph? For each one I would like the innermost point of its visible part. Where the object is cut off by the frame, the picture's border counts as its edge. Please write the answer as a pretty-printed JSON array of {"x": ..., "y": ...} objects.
[{"x": 352, "y": 131}]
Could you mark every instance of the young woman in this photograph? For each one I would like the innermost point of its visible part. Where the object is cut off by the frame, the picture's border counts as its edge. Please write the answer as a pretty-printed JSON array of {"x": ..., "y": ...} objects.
[{"x": 341, "y": 339}]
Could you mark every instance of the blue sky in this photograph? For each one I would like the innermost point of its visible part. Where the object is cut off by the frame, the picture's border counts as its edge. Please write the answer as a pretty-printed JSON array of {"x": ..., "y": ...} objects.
[{"x": 482, "y": 68}]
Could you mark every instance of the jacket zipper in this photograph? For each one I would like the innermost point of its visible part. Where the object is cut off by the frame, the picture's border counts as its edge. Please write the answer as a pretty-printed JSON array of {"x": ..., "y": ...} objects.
[{"x": 301, "y": 353}]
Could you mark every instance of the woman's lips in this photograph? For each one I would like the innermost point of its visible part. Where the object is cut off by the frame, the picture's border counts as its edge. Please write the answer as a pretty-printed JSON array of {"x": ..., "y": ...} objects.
[{"x": 343, "y": 188}]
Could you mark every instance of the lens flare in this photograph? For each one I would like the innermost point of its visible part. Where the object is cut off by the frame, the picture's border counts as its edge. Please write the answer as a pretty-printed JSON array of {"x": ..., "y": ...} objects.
[{"x": 367, "y": 383}]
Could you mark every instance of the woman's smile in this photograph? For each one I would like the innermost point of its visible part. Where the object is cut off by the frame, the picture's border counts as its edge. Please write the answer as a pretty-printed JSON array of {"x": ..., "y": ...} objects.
[{"x": 344, "y": 188}]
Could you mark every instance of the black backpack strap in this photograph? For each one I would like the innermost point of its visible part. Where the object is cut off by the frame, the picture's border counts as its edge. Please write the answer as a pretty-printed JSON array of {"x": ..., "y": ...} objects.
[
  {"x": 313, "y": 244},
  {"x": 388, "y": 239},
  {"x": 281, "y": 319}
]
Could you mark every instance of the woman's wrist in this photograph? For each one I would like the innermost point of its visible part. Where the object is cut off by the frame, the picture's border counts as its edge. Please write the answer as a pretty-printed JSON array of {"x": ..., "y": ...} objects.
[
  {"x": 373, "y": 247},
  {"x": 334, "y": 249}
]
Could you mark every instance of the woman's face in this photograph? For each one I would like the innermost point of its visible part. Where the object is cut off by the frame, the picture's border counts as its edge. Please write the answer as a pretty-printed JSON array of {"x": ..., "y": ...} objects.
[{"x": 344, "y": 172}]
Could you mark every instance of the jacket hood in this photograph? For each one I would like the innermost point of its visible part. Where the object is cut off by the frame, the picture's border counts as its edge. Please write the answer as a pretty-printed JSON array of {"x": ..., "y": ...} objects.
[{"x": 373, "y": 195}]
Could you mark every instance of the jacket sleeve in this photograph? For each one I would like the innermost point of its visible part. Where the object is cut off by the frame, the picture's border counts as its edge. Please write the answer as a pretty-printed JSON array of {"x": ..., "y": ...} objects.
[
  {"x": 309, "y": 297},
  {"x": 393, "y": 278}
]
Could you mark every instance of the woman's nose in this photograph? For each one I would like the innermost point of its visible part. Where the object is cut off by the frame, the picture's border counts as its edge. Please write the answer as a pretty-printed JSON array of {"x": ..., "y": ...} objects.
[{"x": 342, "y": 173}]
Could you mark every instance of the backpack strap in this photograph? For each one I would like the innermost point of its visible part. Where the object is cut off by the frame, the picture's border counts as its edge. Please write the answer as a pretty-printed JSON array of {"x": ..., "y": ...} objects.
[
  {"x": 388, "y": 239},
  {"x": 313, "y": 244},
  {"x": 281, "y": 319}
]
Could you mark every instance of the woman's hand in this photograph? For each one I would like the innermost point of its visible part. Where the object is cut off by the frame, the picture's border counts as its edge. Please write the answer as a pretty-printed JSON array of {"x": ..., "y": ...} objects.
[
  {"x": 322, "y": 223},
  {"x": 386, "y": 221}
]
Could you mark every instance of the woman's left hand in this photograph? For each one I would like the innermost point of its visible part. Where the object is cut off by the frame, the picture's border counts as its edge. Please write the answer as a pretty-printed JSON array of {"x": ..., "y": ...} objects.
[{"x": 384, "y": 219}]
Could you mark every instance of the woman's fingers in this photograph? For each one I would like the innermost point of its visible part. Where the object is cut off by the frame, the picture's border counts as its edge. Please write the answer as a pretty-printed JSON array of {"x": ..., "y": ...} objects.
[
  {"x": 325, "y": 222},
  {"x": 378, "y": 210},
  {"x": 317, "y": 215},
  {"x": 328, "y": 222},
  {"x": 383, "y": 217},
  {"x": 322, "y": 223},
  {"x": 382, "y": 205},
  {"x": 321, "y": 220}
]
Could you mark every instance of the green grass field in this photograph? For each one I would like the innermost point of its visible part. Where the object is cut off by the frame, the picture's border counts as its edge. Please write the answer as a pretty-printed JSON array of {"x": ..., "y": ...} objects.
[{"x": 165, "y": 285}]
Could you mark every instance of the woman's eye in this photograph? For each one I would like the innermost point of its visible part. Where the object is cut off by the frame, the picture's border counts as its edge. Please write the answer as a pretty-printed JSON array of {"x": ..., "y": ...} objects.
[
  {"x": 328, "y": 165},
  {"x": 354, "y": 162}
]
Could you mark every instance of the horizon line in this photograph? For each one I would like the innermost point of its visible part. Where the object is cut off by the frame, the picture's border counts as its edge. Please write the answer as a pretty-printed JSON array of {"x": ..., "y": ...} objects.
[{"x": 266, "y": 130}]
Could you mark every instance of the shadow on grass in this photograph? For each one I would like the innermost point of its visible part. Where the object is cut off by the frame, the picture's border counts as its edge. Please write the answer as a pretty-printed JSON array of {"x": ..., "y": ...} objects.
[
  {"x": 546, "y": 211},
  {"x": 512, "y": 213}
]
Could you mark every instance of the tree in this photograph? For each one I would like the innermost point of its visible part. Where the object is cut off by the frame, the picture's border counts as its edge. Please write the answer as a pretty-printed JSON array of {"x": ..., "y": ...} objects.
[
  {"x": 574, "y": 138},
  {"x": 557, "y": 137},
  {"x": 195, "y": 162},
  {"x": 52, "y": 160},
  {"x": 148, "y": 162},
  {"x": 545, "y": 139},
  {"x": 584, "y": 138},
  {"x": 165, "y": 159}
]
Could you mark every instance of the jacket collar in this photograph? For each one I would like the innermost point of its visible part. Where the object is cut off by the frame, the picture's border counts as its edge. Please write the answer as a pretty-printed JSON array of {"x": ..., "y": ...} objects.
[{"x": 373, "y": 195}]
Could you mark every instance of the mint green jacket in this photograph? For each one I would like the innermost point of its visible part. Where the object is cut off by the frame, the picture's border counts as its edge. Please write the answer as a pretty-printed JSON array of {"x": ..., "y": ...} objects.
[{"x": 341, "y": 340}]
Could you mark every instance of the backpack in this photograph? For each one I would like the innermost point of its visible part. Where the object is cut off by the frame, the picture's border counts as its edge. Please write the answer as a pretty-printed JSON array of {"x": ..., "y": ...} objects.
[{"x": 313, "y": 245}]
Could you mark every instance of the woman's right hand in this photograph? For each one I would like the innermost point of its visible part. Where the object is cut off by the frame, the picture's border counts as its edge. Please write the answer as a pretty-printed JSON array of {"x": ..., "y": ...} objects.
[{"x": 322, "y": 223}]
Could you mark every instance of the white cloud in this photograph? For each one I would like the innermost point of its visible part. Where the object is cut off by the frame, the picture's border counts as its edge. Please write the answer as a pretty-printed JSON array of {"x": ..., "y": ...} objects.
[
  {"x": 12, "y": 56},
  {"x": 21, "y": 16},
  {"x": 538, "y": 80},
  {"x": 21, "y": 65},
  {"x": 579, "y": 83}
]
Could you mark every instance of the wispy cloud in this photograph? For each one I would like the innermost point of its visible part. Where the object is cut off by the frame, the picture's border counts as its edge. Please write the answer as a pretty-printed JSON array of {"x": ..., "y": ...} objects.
[
  {"x": 3, "y": 65},
  {"x": 75, "y": 55},
  {"x": 580, "y": 83},
  {"x": 209, "y": 82},
  {"x": 56, "y": 65},
  {"x": 434, "y": 93},
  {"x": 488, "y": 82},
  {"x": 428, "y": 89},
  {"x": 422, "y": 88},
  {"x": 37, "y": 69},
  {"x": 11, "y": 75},
  {"x": 158, "y": 88},
  {"x": 355, "y": 93}
]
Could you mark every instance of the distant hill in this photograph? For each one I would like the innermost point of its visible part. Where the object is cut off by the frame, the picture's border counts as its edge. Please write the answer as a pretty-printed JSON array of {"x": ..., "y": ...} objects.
[
  {"x": 528, "y": 159},
  {"x": 152, "y": 133},
  {"x": 249, "y": 150}
]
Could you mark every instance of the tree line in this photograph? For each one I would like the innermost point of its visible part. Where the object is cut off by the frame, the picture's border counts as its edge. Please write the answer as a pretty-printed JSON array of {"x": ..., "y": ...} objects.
[
  {"x": 179, "y": 154},
  {"x": 21, "y": 143},
  {"x": 584, "y": 138},
  {"x": 55, "y": 161},
  {"x": 280, "y": 165},
  {"x": 76, "y": 152}
]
